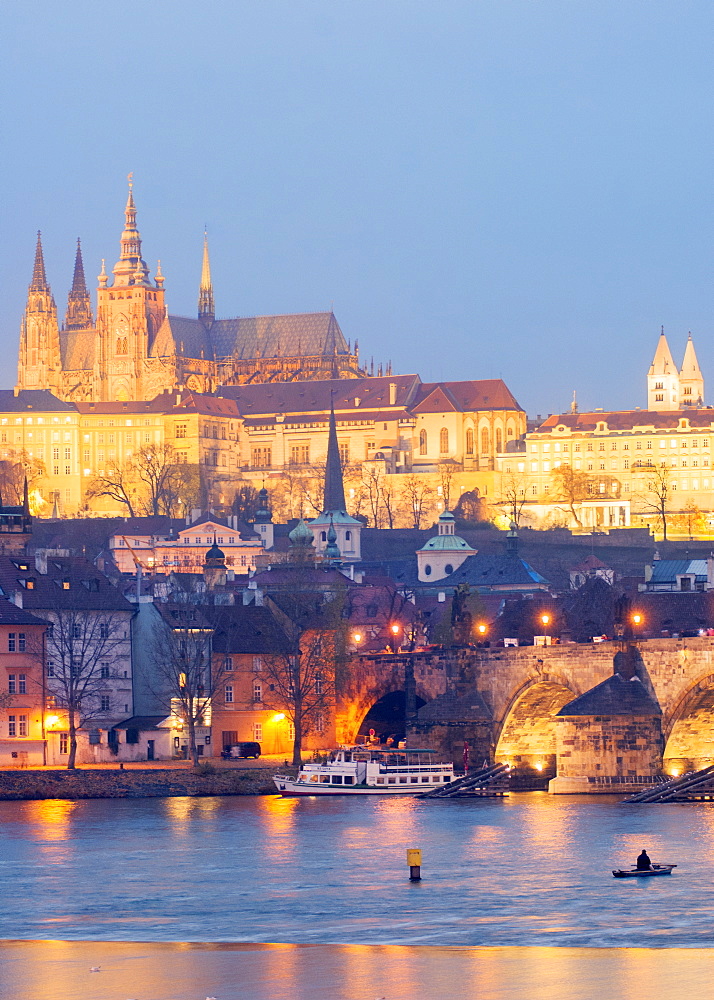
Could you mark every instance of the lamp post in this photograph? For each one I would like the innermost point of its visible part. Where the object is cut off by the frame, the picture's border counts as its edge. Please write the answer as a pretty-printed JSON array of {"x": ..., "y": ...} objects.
[
  {"x": 481, "y": 631},
  {"x": 545, "y": 620},
  {"x": 394, "y": 630}
]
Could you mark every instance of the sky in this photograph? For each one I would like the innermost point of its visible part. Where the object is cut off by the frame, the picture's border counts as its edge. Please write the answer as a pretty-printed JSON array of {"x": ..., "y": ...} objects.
[{"x": 478, "y": 188}]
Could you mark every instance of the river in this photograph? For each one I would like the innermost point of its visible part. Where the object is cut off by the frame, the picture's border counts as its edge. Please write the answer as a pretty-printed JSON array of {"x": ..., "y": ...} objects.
[{"x": 498, "y": 874}]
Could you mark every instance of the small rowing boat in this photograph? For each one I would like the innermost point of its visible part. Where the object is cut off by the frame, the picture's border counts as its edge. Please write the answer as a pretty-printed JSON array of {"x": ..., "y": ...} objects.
[{"x": 644, "y": 872}]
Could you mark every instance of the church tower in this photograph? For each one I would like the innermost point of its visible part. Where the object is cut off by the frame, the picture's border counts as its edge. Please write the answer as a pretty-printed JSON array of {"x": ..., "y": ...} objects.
[
  {"x": 40, "y": 362},
  {"x": 130, "y": 311},
  {"x": 79, "y": 307},
  {"x": 663, "y": 379},
  {"x": 206, "y": 308},
  {"x": 691, "y": 380},
  {"x": 336, "y": 533}
]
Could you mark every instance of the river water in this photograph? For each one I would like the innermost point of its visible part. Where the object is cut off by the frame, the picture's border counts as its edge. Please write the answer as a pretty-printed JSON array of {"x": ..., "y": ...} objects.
[{"x": 530, "y": 869}]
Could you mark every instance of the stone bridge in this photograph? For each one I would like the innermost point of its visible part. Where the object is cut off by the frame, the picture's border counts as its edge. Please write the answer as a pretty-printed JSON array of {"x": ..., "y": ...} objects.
[{"x": 505, "y": 702}]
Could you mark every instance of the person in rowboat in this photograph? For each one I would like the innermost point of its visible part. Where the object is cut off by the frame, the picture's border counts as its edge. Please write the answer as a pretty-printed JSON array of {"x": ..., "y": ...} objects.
[{"x": 643, "y": 862}]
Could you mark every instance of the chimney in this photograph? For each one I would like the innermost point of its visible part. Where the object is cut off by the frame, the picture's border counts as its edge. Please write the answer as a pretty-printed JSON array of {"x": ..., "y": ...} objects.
[
  {"x": 16, "y": 598},
  {"x": 392, "y": 393},
  {"x": 41, "y": 561}
]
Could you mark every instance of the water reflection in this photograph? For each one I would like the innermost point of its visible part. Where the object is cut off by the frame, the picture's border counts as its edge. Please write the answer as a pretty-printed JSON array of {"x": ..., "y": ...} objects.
[
  {"x": 44, "y": 970},
  {"x": 49, "y": 819}
]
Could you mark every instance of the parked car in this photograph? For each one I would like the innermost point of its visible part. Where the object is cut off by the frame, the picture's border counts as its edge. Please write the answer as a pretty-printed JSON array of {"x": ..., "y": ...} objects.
[{"x": 248, "y": 749}]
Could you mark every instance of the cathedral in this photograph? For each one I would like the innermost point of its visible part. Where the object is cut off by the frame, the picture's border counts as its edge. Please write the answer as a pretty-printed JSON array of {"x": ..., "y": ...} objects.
[{"x": 134, "y": 349}]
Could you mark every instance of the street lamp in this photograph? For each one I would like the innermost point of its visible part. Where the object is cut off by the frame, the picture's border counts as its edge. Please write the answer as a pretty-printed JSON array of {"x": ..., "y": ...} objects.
[
  {"x": 637, "y": 620},
  {"x": 357, "y": 638},
  {"x": 395, "y": 629}
]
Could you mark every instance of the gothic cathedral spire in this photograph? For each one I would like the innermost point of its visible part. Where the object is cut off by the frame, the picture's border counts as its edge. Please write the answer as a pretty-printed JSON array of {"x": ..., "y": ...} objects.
[
  {"x": 131, "y": 268},
  {"x": 79, "y": 307},
  {"x": 206, "y": 308},
  {"x": 40, "y": 363}
]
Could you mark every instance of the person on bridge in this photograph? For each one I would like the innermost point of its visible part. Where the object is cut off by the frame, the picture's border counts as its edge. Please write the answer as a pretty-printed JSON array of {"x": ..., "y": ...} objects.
[{"x": 643, "y": 862}]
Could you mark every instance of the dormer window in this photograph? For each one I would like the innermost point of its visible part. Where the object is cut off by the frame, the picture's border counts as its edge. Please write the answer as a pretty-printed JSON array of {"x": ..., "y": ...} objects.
[{"x": 65, "y": 584}]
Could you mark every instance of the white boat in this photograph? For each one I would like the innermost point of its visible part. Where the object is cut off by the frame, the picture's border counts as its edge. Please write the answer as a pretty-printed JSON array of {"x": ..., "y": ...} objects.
[{"x": 368, "y": 770}]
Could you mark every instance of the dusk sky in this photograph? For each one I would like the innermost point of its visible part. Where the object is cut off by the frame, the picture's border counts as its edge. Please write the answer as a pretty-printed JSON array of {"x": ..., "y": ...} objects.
[{"x": 479, "y": 188}]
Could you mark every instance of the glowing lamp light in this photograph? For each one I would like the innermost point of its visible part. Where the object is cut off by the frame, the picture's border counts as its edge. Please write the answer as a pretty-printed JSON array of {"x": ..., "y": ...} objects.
[
  {"x": 539, "y": 766},
  {"x": 395, "y": 629},
  {"x": 637, "y": 619},
  {"x": 278, "y": 717},
  {"x": 52, "y": 720},
  {"x": 357, "y": 636},
  {"x": 545, "y": 619},
  {"x": 482, "y": 629},
  {"x": 674, "y": 772}
]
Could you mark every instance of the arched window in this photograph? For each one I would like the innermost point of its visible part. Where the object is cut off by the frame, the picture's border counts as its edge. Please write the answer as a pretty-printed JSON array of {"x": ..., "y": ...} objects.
[
  {"x": 484, "y": 441},
  {"x": 422, "y": 442},
  {"x": 444, "y": 441},
  {"x": 448, "y": 569},
  {"x": 469, "y": 442},
  {"x": 499, "y": 440}
]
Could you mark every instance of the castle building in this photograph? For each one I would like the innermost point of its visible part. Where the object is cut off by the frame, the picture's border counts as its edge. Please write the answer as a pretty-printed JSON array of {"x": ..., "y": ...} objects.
[{"x": 135, "y": 349}]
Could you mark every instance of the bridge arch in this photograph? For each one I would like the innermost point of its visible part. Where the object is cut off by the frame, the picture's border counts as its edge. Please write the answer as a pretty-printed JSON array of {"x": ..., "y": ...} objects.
[
  {"x": 527, "y": 736},
  {"x": 689, "y": 728}
]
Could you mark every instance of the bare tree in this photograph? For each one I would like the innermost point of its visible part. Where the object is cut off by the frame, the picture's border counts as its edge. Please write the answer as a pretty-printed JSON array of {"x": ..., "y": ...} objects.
[
  {"x": 305, "y": 674},
  {"x": 513, "y": 496},
  {"x": 447, "y": 473},
  {"x": 182, "y": 658},
  {"x": 654, "y": 496},
  {"x": 372, "y": 482},
  {"x": 14, "y": 470},
  {"x": 571, "y": 487},
  {"x": 119, "y": 484},
  {"x": 418, "y": 497},
  {"x": 80, "y": 647}
]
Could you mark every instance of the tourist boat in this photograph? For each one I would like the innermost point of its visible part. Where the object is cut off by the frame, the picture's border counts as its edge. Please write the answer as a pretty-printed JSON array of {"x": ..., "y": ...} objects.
[
  {"x": 368, "y": 770},
  {"x": 644, "y": 872}
]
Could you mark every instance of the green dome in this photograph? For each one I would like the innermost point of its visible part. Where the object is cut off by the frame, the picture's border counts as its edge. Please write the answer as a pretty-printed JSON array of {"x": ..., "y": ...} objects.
[
  {"x": 446, "y": 543},
  {"x": 301, "y": 536}
]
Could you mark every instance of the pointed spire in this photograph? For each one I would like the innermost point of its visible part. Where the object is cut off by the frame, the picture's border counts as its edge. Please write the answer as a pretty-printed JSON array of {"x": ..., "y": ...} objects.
[
  {"x": 663, "y": 362},
  {"x": 131, "y": 268},
  {"x": 79, "y": 307},
  {"x": 39, "y": 278},
  {"x": 206, "y": 308},
  {"x": 334, "y": 486},
  {"x": 690, "y": 365},
  {"x": 691, "y": 380}
]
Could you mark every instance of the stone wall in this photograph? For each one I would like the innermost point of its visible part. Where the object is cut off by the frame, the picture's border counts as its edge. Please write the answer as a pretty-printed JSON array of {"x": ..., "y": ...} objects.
[
  {"x": 134, "y": 784},
  {"x": 606, "y": 747}
]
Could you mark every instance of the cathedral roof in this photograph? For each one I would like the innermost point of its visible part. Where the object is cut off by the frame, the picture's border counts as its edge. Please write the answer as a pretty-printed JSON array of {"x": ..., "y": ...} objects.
[
  {"x": 77, "y": 348},
  {"x": 246, "y": 337},
  {"x": 476, "y": 394}
]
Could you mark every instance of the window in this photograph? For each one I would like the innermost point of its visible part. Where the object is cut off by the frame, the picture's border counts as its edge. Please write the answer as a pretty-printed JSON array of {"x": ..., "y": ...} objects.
[
  {"x": 50, "y": 669},
  {"x": 499, "y": 440},
  {"x": 180, "y": 430},
  {"x": 22, "y": 722},
  {"x": 319, "y": 681},
  {"x": 104, "y": 671},
  {"x": 12, "y": 725},
  {"x": 67, "y": 454},
  {"x": 319, "y": 722},
  {"x": 257, "y": 731},
  {"x": 12, "y": 642},
  {"x": 22, "y": 683},
  {"x": 484, "y": 441},
  {"x": 422, "y": 442},
  {"x": 344, "y": 452},
  {"x": 443, "y": 440},
  {"x": 228, "y": 691},
  {"x": 602, "y": 446},
  {"x": 76, "y": 629},
  {"x": 257, "y": 691},
  {"x": 228, "y": 663},
  {"x": 257, "y": 664},
  {"x": 469, "y": 442},
  {"x": 103, "y": 631},
  {"x": 299, "y": 454},
  {"x": 576, "y": 447},
  {"x": 104, "y": 702},
  {"x": 12, "y": 684},
  {"x": 64, "y": 743},
  {"x": 261, "y": 457}
]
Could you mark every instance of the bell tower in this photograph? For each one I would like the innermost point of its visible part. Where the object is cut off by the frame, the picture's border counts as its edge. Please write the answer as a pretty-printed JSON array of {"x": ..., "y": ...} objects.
[
  {"x": 129, "y": 313},
  {"x": 40, "y": 361}
]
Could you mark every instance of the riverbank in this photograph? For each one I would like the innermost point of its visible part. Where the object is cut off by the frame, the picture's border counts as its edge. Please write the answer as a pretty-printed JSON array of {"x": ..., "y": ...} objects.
[
  {"x": 38, "y": 970},
  {"x": 102, "y": 783}
]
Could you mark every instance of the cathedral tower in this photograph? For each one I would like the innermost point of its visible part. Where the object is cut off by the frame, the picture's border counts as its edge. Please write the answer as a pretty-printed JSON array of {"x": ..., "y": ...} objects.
[
  {"x": 40, "y": 362},
  {"x": 79, "y": 307},
  {"x": 663, "y": 379},
  {"x": 129, "y": 313},
  {"x": 691, "y": 380}
]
